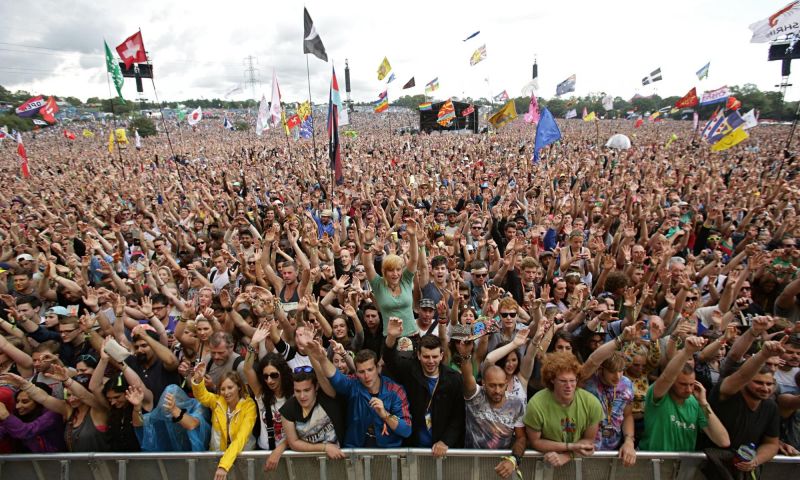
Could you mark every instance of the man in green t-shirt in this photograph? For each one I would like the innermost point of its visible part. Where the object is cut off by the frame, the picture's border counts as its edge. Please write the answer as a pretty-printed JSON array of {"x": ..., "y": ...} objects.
[
  {"x": 562, "y": 420},
  {"x": 676, "y": 407}
]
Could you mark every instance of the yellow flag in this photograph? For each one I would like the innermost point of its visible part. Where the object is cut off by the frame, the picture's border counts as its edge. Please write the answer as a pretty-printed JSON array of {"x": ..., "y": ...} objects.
[
  {"x": 121, "y": 137},
  {"x": 111, "y": 142},
  {"x": 504, "y": 115},
  {"x": 87, "y": 133},
  {"x": 730, "y": 140},
  {"x": 590, "y": 118},
  {"x": 283, "y": 121},
  {"x": 304, "y": 110},
  {"x": 384, "y": 69},
  {"x": 671, "y": 139}
]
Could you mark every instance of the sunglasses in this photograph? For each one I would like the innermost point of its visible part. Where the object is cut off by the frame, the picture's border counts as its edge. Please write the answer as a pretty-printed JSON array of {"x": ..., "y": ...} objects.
[
  {"x": 275, "y": 375},
  {"x": 479, "y": 275},
  {"x": 508, "y": 314},
  {"x": 303, "y": 369},
  {"x": 691, "y": 298}
]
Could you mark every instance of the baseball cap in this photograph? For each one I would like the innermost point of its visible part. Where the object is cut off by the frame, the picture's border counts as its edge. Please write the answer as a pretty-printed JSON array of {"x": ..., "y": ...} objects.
[
  {"x": 427, "y": 303},
  {"x": 25, "y": 256}
]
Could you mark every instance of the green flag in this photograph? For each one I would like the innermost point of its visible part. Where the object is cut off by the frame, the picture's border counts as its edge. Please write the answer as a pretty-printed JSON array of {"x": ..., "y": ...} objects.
[
  {"x": 181, "y": 114},
  {"x": 116, "y": 74}
]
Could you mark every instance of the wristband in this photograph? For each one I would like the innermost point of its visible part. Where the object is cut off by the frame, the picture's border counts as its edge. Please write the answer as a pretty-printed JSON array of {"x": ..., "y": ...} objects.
[
  {"x": 179, "y": 417},
  {"x": 251, "y": 349}
]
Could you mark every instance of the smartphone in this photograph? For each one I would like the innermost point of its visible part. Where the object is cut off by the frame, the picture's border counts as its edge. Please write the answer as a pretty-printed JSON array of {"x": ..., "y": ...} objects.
[{"x": 646, "y": 335}]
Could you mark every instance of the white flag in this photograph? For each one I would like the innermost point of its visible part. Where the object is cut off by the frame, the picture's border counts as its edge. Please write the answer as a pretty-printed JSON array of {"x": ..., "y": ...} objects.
[
  {"x": 262, "y": 121},
  {"x": 783, "y": 22},
  {"x": 608, "y": 102},
  {"x": 195, "y": 117},
  {"x": 571, "y": 114},
  {"x": 750, "y": 119},
  {"x": 137, "y": 139},
  {"x": 275, "y": 105}
]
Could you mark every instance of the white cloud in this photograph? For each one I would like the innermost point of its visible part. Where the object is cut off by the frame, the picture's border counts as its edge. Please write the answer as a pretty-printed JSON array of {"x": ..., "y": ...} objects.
[{"x": 198, "y": 47}]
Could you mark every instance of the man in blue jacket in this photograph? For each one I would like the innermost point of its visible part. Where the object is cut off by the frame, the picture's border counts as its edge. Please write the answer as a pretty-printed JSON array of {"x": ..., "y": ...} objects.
[{"x": 377, "y": 408}]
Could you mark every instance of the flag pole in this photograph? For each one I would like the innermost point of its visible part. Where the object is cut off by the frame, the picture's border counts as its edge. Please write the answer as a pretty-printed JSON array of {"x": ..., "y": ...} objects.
[
  {"x": 114, "y": 121},
  {"x": 286, "y": 134},
  {"x": 311, "y": 105}
]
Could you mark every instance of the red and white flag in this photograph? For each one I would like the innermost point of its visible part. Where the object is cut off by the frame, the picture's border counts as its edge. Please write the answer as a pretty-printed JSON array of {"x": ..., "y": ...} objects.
[
  {"x": 69, "y": 135},
  {"x": 195, "y": 117},
  {"x": 49, "y": 110},
  {"x": 23, "y": 155},
  {"x": 132, "y": 50}
]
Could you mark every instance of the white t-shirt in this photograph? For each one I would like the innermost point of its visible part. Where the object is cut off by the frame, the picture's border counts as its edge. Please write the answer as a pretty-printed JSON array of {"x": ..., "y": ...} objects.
[{"x": 277, "y": 425}]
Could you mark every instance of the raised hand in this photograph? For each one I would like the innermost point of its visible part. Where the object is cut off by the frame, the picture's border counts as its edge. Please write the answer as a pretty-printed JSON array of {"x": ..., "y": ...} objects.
[
  {"x": 521, "y": 337},
  {"x": 199, "y": 372},
  {"x": 134, "y": 395},
  {"x": 395, "y": 327}
]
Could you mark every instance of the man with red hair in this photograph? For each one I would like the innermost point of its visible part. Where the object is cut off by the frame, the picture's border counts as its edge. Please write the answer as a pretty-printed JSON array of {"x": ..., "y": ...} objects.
[{"x": 562, "y": 420}]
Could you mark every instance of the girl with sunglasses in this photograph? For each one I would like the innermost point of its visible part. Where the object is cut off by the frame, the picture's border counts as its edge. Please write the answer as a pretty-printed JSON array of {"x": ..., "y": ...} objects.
[{"x": 270, "y": 380}]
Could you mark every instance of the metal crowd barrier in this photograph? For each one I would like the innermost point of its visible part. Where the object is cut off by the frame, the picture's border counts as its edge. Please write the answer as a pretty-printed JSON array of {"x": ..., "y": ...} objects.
[{"x": 360, "y": 464}]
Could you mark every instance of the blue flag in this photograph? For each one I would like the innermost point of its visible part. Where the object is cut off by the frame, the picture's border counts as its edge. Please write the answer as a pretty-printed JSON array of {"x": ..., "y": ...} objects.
[
  {"x": 305, "y": 128},
  {"x": 547, "y": 132},
  {"x": 472, "y": 36}
]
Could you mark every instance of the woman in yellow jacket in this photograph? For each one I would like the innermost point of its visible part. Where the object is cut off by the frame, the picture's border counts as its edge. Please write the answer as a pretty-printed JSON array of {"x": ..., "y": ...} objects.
[{"x": 233, "y": 415}]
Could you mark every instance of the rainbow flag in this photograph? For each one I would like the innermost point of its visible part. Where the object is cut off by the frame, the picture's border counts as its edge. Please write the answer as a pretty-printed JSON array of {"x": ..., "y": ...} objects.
[
  {"x": 425, "y": 106},
  {"x": 382, "y": 105}
]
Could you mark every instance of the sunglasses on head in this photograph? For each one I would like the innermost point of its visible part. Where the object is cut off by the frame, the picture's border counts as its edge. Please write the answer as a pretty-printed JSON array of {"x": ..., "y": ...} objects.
[
  {"x": 275, "y": 375},
  {"x": 303, "y": 369},
  {"x": 508, "y": 314}
]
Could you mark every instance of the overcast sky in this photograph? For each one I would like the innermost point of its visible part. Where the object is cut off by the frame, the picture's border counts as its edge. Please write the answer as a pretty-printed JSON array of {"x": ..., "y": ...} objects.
[{"x": 198, "y": 47}]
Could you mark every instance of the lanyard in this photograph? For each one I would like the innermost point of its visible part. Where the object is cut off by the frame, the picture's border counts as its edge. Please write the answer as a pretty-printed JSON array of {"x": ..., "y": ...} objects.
[
  {"x": 428, "y": 408},
  {"x": 610, "y": 404}
]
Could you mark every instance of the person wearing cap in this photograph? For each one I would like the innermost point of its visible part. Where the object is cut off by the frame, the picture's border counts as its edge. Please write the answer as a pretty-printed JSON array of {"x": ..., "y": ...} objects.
[
  {"x": 425, "y": 317},
  {"x": 324, "y": 222},
  {"x": 434, "y": 390},
  {"x": 454, "y": 222}
]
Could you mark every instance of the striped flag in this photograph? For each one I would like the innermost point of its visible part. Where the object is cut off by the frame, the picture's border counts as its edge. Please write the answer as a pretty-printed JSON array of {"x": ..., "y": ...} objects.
[
  {"x": 425, "y": 106},
  {"x": 446, "y": 113},
  {"x": 333, "y": 130},
  {"x": 432, "y": 86}
]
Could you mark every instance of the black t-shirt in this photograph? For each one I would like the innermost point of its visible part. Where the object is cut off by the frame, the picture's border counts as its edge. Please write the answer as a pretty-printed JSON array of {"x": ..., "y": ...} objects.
[
  {"x": 745, "y": 426},
  {"x": 156, "y": 378}
]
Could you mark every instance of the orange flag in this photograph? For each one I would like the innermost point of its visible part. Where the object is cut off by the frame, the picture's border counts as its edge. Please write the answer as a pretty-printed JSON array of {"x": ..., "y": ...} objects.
[{"x": 689, "y": 100}]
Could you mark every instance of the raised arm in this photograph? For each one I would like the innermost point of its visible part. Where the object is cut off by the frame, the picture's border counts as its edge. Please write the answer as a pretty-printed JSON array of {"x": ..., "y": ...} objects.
[{"x": 674, "y": 367}]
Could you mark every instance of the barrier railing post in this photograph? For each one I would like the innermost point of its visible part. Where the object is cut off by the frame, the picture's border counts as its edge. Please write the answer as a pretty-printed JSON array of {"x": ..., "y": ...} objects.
[
  {"x": 191, "y": 466},
  {"x": 656, "y": 468},
  {"x": 578, "y": 468},
  {"x": 367, "y": 467},
  {"x": 122, "y": 469},
  {"x": 290, "y": 468},
  {"x": 251, "y": 469},
  {"x": 323, "y": 468},
  {"x": 439, "y": 468},
  {"x": 64, "y": 469},
  {"x": 393, "y": 464}
]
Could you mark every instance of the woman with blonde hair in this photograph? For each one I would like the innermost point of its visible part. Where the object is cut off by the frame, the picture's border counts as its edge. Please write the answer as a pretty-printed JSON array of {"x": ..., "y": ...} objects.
[
  {"x": 233, "y": 415},
  {"x": 393, "y": 289}
]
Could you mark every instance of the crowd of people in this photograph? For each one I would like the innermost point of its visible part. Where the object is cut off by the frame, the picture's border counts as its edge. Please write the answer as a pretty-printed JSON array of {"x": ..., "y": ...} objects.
[{"x": 449, "y": 294}]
